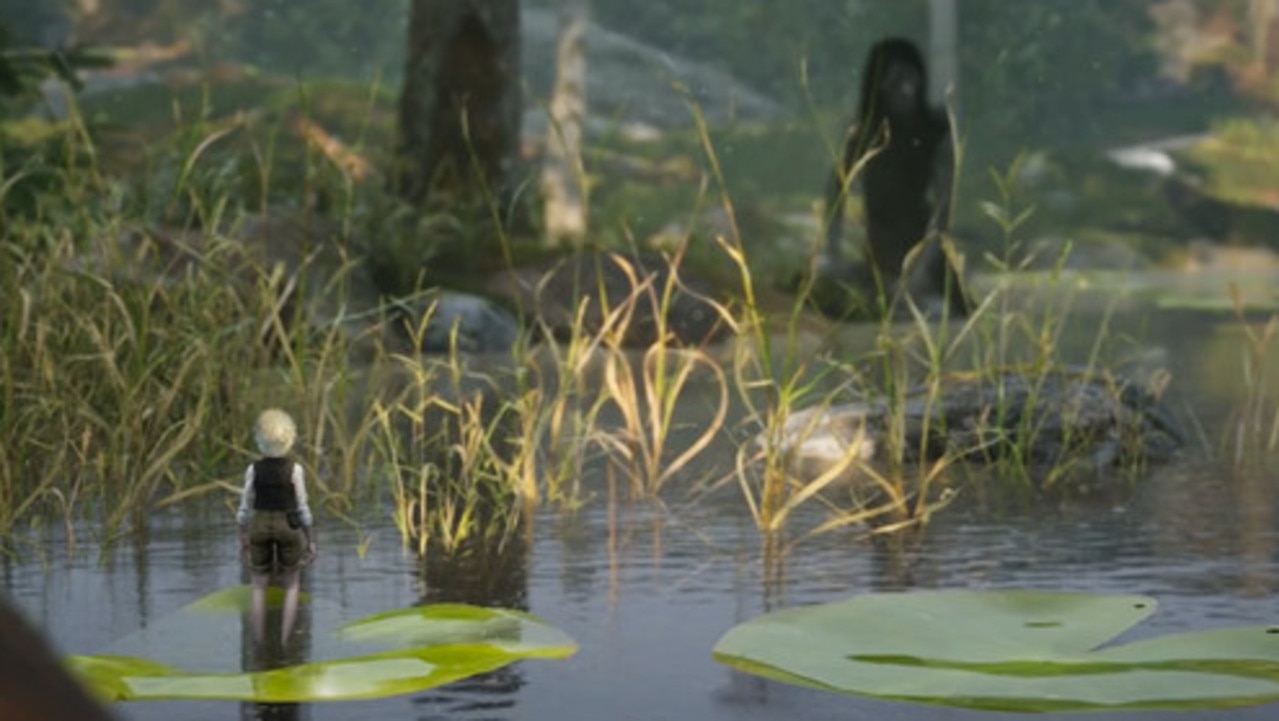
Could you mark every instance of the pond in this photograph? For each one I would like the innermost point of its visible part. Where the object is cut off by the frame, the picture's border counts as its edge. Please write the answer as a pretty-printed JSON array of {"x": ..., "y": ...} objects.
[{"x": 646, "y": 589}]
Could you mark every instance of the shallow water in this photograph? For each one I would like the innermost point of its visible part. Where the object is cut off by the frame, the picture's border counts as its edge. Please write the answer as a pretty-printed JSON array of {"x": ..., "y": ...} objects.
[{"x": 647, "y": 591}]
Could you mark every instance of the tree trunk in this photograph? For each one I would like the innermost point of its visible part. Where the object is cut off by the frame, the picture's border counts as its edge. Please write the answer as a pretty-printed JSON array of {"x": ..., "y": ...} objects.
[
  {"x": 564, "y": 183},
  {"x": 1261, "y": 16},
  {"x": 460, "y": 108},
  {"x": 943, "y": 49}
]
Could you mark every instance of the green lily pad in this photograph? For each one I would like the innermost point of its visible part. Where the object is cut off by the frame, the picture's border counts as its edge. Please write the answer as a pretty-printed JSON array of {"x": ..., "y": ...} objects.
[
  {"x": 1027, "y": 651},
  {"x": 198, "y": 652}
]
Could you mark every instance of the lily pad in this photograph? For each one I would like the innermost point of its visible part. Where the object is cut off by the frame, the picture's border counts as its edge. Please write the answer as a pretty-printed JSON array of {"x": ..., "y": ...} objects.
[
  {"x": 197, "y": 653},
  {"x": 1028, "y": 651}
]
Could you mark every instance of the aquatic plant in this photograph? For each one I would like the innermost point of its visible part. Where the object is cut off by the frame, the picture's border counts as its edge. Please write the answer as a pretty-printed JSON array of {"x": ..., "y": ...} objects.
[
  {"x": 647, "y": 393},
  {"x": 134, "y": 356},
  {"x": 1253, "y": 426},
  {"x": 441, "y": 438},
  {"x": 772, "y": 494},
  {"x": 1015, "y": 650},
  {"x": 385, "y": 654}
]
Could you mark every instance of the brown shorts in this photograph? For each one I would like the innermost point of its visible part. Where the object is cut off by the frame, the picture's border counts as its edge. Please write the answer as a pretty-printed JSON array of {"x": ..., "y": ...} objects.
[{"x": 272, "y": 544}]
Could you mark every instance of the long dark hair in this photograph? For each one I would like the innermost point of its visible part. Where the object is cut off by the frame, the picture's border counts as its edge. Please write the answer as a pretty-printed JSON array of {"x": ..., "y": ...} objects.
[{"x": 885, "y": 52}]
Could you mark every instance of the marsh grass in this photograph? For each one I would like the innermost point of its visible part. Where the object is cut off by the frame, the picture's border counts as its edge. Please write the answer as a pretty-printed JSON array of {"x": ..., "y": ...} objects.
[
  {"x": 1253, "y": 424},
  {"x": 113, "y": 385},
  {"x": 128, "y": 356},
  {"x": 558, "y": 417},
  {"x": 647, "y": 393},
  {"x": 132, "y": 370},
  {"x": 531, "y": 439},
  {"x": 773, "y": 384},
  {"x": 910, "y": 370}
]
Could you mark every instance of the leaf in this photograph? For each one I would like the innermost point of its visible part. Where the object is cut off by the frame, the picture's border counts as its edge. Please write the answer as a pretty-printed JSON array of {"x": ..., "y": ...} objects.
[
  {"x": 197, "y": 653},
  {"x": 1027, "y": 651}
]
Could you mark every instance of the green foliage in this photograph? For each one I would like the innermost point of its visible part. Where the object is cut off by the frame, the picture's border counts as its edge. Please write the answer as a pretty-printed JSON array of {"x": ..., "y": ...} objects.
[
  {"x": 317, "y": 38},
  {"x": 385, "y": 654},
  {"x": 1071, "y": 60},
  {"x": 23, "y": 68},
  {"x": 33, "y": 153},
  {"x": 1024, "y": 651},
  {"x": 1236, "y": 165}
]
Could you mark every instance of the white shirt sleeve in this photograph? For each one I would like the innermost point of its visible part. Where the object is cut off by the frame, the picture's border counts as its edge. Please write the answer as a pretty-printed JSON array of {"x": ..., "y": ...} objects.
[
  {"x": 299, "y": 492},
  {"x": 246, "y": 498}
]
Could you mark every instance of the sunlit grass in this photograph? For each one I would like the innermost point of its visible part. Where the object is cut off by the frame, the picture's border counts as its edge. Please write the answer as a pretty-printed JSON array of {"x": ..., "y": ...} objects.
[
  {"x": 131, "y": 369},
  {"x": 1252, "y": 429}
]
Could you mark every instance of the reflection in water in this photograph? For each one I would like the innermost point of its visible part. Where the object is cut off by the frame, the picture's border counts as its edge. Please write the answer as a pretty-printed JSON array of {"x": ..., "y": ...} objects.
[
  {"x": 1257, "y": 531},
  {"x": 142, "y": 541},
  {"x": 1224, "y": 519},
  {"x": 896, "y": 562},
  {"x": 489, "y": 572},
  {"x": 271, "y": 654}
]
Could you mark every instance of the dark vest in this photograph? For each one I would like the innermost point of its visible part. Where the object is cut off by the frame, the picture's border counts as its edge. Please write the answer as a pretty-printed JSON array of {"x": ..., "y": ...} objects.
[{"x": 273, "y": 485}]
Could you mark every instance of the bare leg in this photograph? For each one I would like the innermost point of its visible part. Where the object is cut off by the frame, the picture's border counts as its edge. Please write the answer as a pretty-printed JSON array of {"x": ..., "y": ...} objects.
[
  {"x": 291, "y": 581},
  {"x": 257, "y": 612}
]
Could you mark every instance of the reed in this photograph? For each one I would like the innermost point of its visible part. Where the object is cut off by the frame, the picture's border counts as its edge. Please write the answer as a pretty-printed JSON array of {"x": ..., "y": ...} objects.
[
  {"x": 646, "y": 394},
  {"x": 772, "y": 390},
  {"x": 1253, "y": 424},
  {"x": 131, "y": 369}
]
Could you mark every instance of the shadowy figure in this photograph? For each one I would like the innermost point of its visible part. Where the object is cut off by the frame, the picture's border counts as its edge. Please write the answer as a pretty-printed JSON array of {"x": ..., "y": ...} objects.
[
  {"x": 275, "y": 521},
  {"x": 900, "y": 152}
]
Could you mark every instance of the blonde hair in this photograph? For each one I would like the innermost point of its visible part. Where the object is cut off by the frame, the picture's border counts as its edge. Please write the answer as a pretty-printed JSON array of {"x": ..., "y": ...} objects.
[{"x": 274, "y": 432}]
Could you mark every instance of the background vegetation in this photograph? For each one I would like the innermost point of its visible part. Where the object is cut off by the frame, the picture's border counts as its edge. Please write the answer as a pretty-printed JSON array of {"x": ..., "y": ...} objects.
[{"x": 217, "y": 113}]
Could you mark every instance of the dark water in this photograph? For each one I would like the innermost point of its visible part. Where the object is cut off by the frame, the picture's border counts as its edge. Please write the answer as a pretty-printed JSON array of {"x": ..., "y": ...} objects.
[{"x": 647, "y": 590}]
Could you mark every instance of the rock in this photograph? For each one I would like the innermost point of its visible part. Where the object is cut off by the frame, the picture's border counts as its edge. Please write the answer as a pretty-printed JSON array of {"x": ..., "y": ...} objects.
[
  {"x": 550, "y": 295},
  {"x": 427, "y": 323},
  {"x": 633, "y": 84},
  {"x": 1050, "y": 421}
]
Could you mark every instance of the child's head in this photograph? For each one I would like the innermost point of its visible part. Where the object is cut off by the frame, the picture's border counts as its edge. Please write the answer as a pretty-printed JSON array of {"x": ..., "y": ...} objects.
[{"x": 274, "y": 432}]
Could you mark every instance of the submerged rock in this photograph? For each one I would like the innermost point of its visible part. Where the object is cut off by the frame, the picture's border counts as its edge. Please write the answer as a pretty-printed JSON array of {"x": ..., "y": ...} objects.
[
  {"x": 432, "y": 322},
  {"x": 1047, "y": 421}
]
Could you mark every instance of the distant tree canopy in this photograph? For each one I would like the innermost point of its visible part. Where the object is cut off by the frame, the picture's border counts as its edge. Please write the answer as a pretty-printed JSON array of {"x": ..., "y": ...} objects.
[
  {"x": 1033, "y": 67},
  {"x": 1029, "y": 70},
  {"x": 1051, "y": 68}
]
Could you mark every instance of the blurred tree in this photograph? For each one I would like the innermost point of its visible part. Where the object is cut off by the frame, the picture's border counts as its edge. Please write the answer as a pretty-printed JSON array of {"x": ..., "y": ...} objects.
[
  {"x": 1235, "y": 39},
  {"x": 943, "y": 48},
  {"x": 564, "y": 183},
  {"x": 1048, "y": 72},
  {"x": 45, "y": 24},
  {"x": 461, "y": 105},
  {"x": 314, "y": 38}
]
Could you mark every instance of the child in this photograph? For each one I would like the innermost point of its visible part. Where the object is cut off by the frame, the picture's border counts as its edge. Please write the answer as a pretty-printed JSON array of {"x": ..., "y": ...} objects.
[{"x": 274, "y": 519}]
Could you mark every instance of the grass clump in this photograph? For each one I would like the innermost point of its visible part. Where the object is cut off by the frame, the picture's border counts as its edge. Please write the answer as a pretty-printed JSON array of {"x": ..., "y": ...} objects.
[{"x": 151, "y": 320}]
